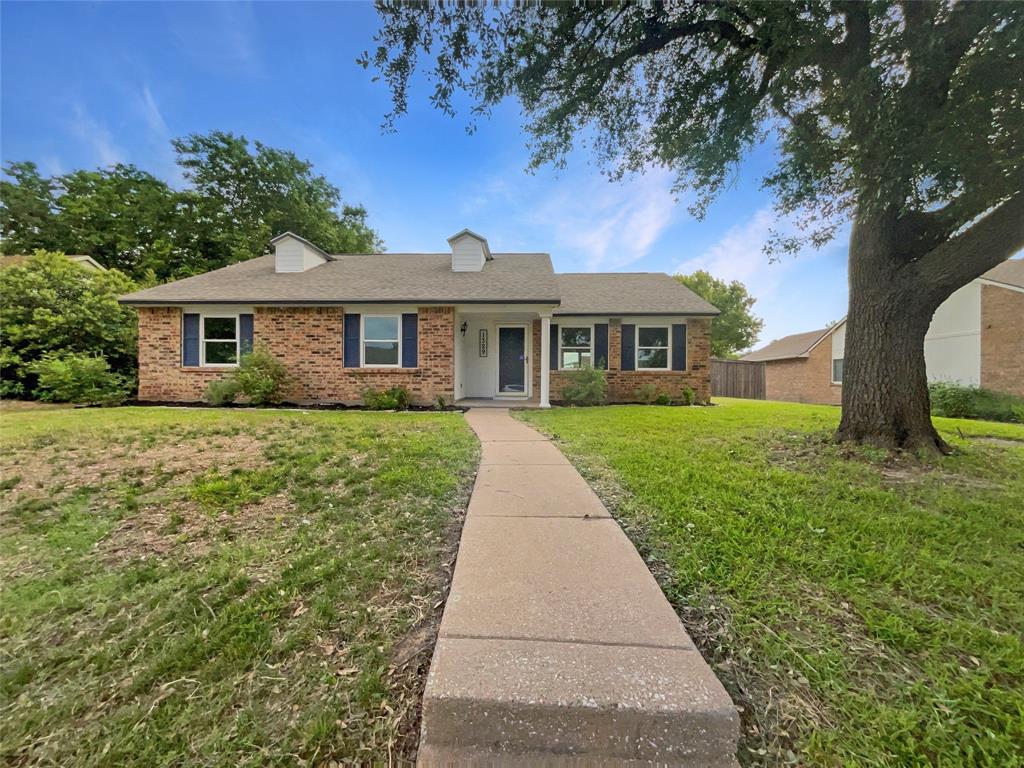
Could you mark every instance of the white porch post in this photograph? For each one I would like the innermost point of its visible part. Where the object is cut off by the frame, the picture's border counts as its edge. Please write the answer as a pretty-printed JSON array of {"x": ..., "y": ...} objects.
[{"x": 545, "y": 361}]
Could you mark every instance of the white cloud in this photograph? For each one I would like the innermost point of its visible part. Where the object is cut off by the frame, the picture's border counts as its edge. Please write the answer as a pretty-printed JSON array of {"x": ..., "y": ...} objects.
[
  {"x": 610, "y": 225},
  {"x": 739, "y": 254},
  {"x": 780, "y": 286},
  {"x": 219, "y": 36},
  {"x": 593, "y": 224},
  {"x": 96, "y": 135},
  {"x": 152, "y": 115}
]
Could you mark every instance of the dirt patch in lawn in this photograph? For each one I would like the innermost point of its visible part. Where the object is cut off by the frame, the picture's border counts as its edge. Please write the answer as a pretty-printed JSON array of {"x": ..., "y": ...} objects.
[
  {"x": 187, "y": 531},
  {"x": 95, "y": 464}
]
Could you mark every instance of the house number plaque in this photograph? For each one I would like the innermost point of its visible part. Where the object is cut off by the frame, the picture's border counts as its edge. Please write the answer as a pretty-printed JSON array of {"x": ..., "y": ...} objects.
[{"x": 483, "y": 342}]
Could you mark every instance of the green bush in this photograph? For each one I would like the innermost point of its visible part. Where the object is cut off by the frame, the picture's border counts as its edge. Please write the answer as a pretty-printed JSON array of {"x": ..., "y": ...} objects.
[
  {"x": 663, "y": 398},
  {"x": 75, "y": 377},
  {"x": 259, "y": 378},
  {"x": 393, "y": 399},
  {"x": 959, "y": 402},
  {"x": 51, "y": 306},
  {"x": 646, "y": 393},
  {"x": 222, "y": 391},
  {"x": 689, "y": 396},
  {"x": 586, "y": 386}
]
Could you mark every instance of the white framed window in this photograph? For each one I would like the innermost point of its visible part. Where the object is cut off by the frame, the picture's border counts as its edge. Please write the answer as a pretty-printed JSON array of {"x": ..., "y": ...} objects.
[
  {"x": 837, "y": 371},
  {"x": 219, "y": 340},
  {"x": 652, "y": 345},
  {"x": 575, "y": 347},
  {"x": 382, "y": 341}
]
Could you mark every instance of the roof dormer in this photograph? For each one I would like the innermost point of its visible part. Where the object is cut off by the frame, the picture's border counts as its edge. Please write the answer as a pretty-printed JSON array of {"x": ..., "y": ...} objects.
[
  {"x": 296, "y": 254},
  {"x": 469, "y": 251}
]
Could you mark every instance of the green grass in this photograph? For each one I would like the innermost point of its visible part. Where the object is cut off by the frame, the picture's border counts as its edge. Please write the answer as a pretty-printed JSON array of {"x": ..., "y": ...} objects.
[
  {"x": 205, "y": 587},
  {"x": 863, "y": 609}
]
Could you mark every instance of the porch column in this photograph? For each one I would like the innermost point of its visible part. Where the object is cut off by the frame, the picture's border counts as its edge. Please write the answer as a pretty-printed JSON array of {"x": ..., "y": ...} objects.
[{"x": 545, "y": 361}]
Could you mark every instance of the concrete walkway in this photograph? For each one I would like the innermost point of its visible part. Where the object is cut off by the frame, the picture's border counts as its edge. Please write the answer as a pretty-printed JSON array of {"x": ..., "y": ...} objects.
[{"x": 557, "y": 646}]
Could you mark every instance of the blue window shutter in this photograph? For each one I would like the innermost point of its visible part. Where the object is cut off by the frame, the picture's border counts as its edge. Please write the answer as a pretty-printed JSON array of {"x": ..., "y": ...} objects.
[
  {"x": 245, "y": 333},
  {"x": 553, "y": 357},
  {"x": 351, "y": 348},
  {"x": 679, "y": 347},
  {"x": 409, "y": 320},
  {"x": 628, "y": 347},
  {"x": 189, "y": 339},
  {"x": 601, "y": 345}
]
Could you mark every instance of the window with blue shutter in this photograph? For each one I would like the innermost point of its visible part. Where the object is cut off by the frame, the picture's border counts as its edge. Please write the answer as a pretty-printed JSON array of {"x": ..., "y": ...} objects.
[
  {"x": 628, "y": 347},
  {"x": 409, "y": 330},
  {"x": 351, "y": 341},
  {"x": 679, "y": 347},
  {"x": 601, "y": 345},
  {"x": 190, "y": 339},
  {"x": 245, "y": 334}
]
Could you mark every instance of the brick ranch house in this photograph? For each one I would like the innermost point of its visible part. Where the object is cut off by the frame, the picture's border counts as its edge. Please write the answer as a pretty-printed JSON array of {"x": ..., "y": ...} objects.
[
  {"x": 976, "y": 338},
  {"x": 459, "y": 325}
]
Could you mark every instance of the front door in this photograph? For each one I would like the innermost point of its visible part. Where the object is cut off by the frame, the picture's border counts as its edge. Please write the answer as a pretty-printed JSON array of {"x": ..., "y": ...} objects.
[{"x": 511, "y": 360}]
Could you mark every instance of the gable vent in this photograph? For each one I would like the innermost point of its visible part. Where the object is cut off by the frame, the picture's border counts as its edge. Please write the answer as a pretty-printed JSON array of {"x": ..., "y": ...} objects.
[
  {"x": 295, "y": 254},
  {"x": 469, "y": 251}
]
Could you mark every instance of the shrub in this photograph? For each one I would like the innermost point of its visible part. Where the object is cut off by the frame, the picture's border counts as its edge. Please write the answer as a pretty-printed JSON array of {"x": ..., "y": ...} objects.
[
  {"x": 586, "y": 386},
  {"x": 222, "y": 391},
  {"x": 959, "y": 402},
  {"x": 663, "y": 399},
  {"x": 50, "y": 305},
  {"x": 440, "y": 403},
  {"x": 75, "y": 377},
  {"x": 689, "y": 396},
  {"x": 259, "y": 378},
  {"x": 646, "y": 393},
  {"x": 393, "y": 399}
]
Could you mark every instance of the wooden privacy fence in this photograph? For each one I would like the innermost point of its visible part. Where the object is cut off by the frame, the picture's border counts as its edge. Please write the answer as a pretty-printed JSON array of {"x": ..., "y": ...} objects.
[{"x": 737, "y": 378}]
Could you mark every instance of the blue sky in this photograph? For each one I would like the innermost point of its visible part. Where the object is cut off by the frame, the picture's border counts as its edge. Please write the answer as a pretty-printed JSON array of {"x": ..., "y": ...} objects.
[{"x": 89, "y": 84}]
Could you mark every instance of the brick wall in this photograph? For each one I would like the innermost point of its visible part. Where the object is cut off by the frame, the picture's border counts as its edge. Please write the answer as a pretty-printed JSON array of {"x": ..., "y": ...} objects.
[
  {"x": 1002, "y": 340},
  {"x": 622, "y": 385},
  {"x": 804, "y": 380},
  {"x": 310, "y": 341}
]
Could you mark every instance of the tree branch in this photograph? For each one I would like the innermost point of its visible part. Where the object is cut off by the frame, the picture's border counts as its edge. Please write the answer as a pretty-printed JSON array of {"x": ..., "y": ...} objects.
[{"x": 989, "y": 241}]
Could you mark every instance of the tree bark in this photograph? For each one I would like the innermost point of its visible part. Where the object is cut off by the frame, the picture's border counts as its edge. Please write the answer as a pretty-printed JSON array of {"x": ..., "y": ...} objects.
[{"x": 885, "y": 386}]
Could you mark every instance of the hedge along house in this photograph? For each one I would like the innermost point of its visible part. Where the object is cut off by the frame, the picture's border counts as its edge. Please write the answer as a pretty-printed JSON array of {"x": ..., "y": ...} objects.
[
  {"x": 460, "y": 325},
  {"x": 976, "y": 338}
]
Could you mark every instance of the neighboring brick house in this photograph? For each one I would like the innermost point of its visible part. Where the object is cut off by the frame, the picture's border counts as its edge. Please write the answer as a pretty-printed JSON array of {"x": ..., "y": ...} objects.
[
  {"x": 459, "y": 325},
  {"x": 976, "y": 338}
]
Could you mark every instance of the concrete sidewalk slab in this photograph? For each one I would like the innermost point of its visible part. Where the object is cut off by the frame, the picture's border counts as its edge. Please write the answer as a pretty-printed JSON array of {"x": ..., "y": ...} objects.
[
  {"x": 554, "y": 490},
  {"x": 493, "y": 424},
  {"x": 521, "y": 453},
  {"x": 557, "y": 647},
  {"x": 570, "y": 580},
  {"x": 655, "y": 704}
]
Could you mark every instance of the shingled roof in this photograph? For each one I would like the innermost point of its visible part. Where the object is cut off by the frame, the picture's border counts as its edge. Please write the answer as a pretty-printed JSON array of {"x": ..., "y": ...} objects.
[
  {"x": 788, "y": 347},
  {"x": 627, "y": 293},
  {"x": 1008, "y": 273},
  {"x": 380, "y": 277},
  {"x": 428, "y": 278}
]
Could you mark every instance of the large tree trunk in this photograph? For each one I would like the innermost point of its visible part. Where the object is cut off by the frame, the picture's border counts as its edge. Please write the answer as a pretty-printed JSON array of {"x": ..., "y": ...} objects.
[{"x": 885, "y": 386}]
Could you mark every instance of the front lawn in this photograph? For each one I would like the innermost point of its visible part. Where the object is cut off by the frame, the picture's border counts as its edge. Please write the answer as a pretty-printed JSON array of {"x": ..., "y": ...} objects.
[
  {"x": 209, "y": 587},
  {"x": 862, "y": 609}
]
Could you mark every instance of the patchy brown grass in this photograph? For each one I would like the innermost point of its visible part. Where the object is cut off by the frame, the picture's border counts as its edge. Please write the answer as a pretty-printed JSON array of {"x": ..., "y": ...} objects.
[{"x": 220, "y": 587}]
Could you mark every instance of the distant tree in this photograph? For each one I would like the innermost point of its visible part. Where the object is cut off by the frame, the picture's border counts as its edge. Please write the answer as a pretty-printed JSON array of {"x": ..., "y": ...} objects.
[
  {"x": 246, "y": 197},
  {"x": 127, "y": 218},
  {"x": 50, "y": 304},
  {"x": 904, "y": 117},
  {"x": 28, "y": 210},
  {"x": 737, "y": 328},
  {"x": 124, "y": 218}
]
